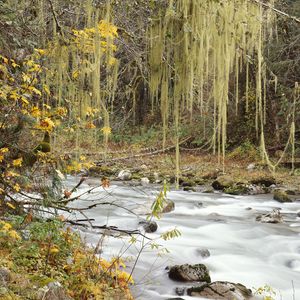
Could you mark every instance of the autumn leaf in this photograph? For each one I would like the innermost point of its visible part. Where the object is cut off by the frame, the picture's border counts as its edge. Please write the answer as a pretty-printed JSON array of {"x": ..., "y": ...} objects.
[
  {"x": 105, "y": 182},
  {"x": 10, "y": 205},
  {"x": 54, "y": 250},
  {"x": 90, "y": 125},
  {"x": 67, "y": 194},
  {"x": 46, "y": 124},
  {"x": 106, "y": 130},
  {"x": 18, "y": 162}
]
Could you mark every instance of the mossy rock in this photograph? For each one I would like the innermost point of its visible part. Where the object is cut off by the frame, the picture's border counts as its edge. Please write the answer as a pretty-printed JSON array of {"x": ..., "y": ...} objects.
[
  {"x": 237, "y": 189},
  {"x": 266, "y": 180},
  {"x": 281, "y": 196},
  {"x": 186, "y": 182},
  {"x": 199, "y": 181},
  {"x": 222, "y": 183},
  {"x": 101, "y": 171},
  {"x": 136, "y": 176}
]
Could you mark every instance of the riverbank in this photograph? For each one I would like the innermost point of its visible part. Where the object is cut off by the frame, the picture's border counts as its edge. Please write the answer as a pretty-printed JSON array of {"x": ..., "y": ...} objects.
[
  {"x": 45, "y": 260},
  {"x": 203, "y": 172}
]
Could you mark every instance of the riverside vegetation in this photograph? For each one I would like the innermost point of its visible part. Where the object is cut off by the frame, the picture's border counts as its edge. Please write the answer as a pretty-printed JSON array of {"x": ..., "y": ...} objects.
[{"x": 149, "y": 88}]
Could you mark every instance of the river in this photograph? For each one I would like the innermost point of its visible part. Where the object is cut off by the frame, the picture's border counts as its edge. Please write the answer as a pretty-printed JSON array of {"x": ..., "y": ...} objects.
[{"x": 241, "y": 249}]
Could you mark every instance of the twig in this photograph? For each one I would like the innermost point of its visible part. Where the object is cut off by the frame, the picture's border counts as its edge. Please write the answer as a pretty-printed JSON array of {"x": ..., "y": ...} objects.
[
  {"x": 280, "y": 12},
  {"x": 143, "y": 154}
]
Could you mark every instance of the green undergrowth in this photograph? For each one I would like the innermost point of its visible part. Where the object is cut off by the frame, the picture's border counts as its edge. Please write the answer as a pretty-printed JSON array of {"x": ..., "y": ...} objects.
[{"x": 36, "y": 253}]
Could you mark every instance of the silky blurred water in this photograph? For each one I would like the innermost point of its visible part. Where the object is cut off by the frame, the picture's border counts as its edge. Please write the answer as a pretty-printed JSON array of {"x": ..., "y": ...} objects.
[{"x": 241, "y": 249}]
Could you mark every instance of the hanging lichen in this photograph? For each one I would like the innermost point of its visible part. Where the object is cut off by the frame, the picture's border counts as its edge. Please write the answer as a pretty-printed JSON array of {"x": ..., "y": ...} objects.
[{"x": 201, "y": 45}]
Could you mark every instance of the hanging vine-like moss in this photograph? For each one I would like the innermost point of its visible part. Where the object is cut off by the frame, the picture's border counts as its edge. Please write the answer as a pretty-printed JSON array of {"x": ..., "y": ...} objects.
[{"x": 201, "y": 45}]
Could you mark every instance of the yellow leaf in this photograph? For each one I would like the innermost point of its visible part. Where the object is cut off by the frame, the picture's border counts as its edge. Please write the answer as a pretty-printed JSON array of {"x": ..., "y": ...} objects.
[
  {"x": 24, "y": 100},
  {"x": 14, "y": 64},
  {"x": 106, "y": 130},
  {"x": 47, "y": 124},
  {"x": 75, "y": 74},
  {"x": 90, "y": 125},
  {"x": 5, "y": 60},
  {"x": 13, "y": 234},
  {"x": 14, "y": 96},
  {"x": 10, "y": 205},
  {"x": 35, "y": 112},
  {"x": 40, "y": 51},
  {"x": 26, "y": 78},
  {"x": 17, "y": 187},
  {"x": 35, "y": 90},
  {"x": 4, "y": 150},
  {"x": 46, "y": 89},
  {"x": 54, "y": 250},
  {"x": 17, "y": 162},
  {"x": 82, "y": 158}
]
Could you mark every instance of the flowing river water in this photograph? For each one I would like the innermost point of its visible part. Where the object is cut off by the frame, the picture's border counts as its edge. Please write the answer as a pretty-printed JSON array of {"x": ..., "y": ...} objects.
[{"x": 241, "y": 249}]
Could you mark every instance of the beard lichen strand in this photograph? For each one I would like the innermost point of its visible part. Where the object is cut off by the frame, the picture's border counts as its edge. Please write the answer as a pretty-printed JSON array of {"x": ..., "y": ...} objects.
[{"x": 214, "y": 40}]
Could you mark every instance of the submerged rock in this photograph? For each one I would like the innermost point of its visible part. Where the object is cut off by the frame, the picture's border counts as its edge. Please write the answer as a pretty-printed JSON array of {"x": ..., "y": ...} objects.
[
  {"x": 281, "y": 196},
  {"x": 180, "y": 291},
  {"x": 272, "y": 217},
  {"x": 186, "y": 272},
  {"x": 221, "y": 290},
  {"x": 124, "y": 175},
  {"x": 203, "y": 253}
]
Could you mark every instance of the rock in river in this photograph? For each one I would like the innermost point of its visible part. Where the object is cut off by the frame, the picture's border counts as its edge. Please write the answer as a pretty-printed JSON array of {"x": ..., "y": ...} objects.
[
  {"x": 124, "y": 175},
  {"x": 221, "y": 290},
  {"x": 281, "y": 196},
  {"x": 272, "y": 217},
  {"x": 149, "y": 226},
  {"x": 186, "y": 272},
  {"x": 168, "y": 206}
]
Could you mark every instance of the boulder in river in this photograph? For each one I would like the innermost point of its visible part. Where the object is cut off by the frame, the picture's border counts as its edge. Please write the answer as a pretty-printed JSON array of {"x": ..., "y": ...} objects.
[
  {"x": 149, "y": 226},
  {"x": 272, "y": 217},
  {"x": 145, "y": 181},
  {"x": 281, "y": 196},
  {"x": 168, "y": 206},
  {"x": 221, "y": 290},
  {"x": 124, "y": 175},
  {"x": 186, "y": 272}
]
